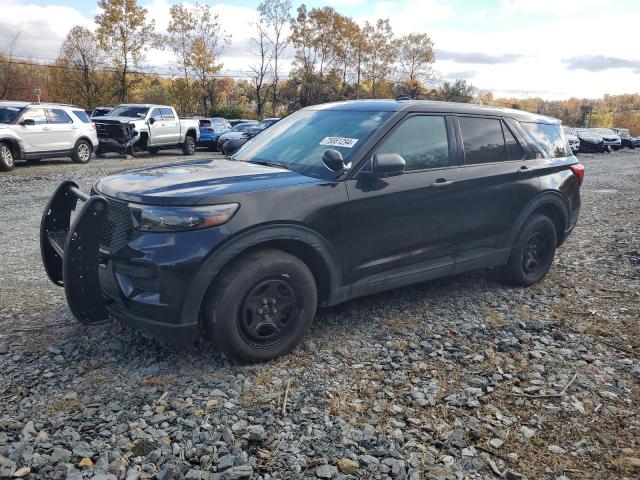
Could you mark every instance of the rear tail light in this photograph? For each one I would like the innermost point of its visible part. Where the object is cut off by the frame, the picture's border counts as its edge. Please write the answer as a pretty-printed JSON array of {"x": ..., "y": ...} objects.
[{"x": 578, "y": 171}]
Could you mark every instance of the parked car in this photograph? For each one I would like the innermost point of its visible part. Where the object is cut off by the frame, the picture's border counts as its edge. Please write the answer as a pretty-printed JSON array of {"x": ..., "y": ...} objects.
[
  {"x": 263, "y": 125},
  {"x": 626, "y": 138},
  {"x": 610, "y": 139},
  {"x": 333, "y": 202},
  {"x": 574, "y": 141},
  {"x": 590, "y": 141},
  {"x": 235, "y": 133},
  {"x": 33, "y": 131},
  {"x": 100, "y": 111},
  {"x": 131, "y": 127},
  {"x": 210, "y": 130},
  {"x": 237, "y": 121}
]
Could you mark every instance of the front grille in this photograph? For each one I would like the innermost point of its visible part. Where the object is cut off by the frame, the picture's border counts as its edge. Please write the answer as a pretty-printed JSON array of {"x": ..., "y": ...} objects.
[{"x": 118, "y": 227}]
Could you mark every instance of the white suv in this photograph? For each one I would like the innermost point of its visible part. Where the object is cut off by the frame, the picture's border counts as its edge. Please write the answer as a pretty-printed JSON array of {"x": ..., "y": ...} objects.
[{"x": 32, "y": 131}]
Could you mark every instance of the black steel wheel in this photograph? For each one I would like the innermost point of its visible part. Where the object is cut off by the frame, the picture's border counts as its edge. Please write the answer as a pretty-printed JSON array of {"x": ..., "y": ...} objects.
[
  {"x": 260, "y": 306},
  {"x": 269, "y": 312},
  {"x": 532, "y": 251}
]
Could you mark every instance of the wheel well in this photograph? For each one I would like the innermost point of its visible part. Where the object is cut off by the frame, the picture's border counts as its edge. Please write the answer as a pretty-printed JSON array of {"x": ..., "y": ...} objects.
[
  {"x": 13, "y": 146},
  {"x": 86, "y": 139},
  {"x": 553, "y": 212},
  {"x": 191, "y": 133}
]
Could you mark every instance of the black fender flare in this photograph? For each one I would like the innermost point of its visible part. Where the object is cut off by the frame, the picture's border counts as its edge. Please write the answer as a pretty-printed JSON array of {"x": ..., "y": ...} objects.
[
  {"x": 549, "y": 197},
  {"x": 240, "y": 243}
]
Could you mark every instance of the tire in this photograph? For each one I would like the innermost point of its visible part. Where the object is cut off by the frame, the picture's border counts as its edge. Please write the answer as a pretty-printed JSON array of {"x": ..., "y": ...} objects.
[
  {"x": 189, "y": 145},
  {"x": 264, "y": 284},
  {"x": 532, "y": 252},
  {"x": 153, "y": 150},
  {"x": 81, "y": 152},
  {"x": 7, "y": 161}
]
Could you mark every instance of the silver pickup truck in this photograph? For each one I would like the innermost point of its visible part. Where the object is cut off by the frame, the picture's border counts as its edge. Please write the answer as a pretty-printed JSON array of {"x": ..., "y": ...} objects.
[{"x": 131, "y": 127}]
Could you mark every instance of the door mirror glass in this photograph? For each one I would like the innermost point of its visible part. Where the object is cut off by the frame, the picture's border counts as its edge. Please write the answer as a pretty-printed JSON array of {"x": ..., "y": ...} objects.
[
  {"x": 27, "y": 122},
  {"x": 387, "y": 164}
]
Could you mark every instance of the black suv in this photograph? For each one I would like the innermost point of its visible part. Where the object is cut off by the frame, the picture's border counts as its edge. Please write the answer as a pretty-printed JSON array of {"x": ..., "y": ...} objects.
[{"x": 333, "y": 202}]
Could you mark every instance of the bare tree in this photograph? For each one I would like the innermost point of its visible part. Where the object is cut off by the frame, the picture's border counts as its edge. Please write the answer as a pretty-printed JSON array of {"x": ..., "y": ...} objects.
[
  {"x": 262, "y": 50},
  {"x": 7, "y": 72},
  {"x": 276, "y": 15}
]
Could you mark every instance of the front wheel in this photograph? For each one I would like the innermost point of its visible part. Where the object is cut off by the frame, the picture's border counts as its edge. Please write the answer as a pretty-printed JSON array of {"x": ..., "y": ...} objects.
[
  {"x": 532, "y": 252},
  {"x": 261, "y": 306},
  {"x": 189, "y": 145},
  {"x": 82, "y": 152},
  {"x": 6, "y": 158}
]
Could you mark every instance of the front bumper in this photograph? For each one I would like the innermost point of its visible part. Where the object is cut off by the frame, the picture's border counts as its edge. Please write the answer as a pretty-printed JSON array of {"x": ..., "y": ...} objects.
[
  {"x": 116, "y": 137},
  {"x": 143, "y": 281}
]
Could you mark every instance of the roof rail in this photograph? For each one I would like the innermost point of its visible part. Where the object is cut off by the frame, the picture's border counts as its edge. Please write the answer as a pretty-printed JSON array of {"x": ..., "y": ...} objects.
[{"x": 403, "y": 97}]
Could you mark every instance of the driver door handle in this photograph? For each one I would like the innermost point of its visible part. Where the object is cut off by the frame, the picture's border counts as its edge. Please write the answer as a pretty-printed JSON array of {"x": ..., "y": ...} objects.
[{"x": 442, "y": 182}]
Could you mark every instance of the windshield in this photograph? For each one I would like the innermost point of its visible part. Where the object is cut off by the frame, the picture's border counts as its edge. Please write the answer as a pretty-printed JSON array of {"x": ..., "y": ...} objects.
[
  {"x": 129, "y": 111},
  {"x": 299, "y": 140},
  {"x": 241, "y": 127},
  {"x": 9, "y": 114}
]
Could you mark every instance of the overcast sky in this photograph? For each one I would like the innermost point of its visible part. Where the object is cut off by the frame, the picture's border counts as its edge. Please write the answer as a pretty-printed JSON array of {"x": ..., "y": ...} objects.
[{"x": 548, "y": 48}]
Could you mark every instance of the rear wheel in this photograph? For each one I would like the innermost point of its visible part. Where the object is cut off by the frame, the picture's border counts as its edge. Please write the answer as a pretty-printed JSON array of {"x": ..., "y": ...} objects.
[
  {"x": 82, "y": 152},
  {"x": 261, "y": 306},
  {"x": 6, "y": 158},
  {"x": 532, "y": 252},
  {"x": 189, "y": 145}
]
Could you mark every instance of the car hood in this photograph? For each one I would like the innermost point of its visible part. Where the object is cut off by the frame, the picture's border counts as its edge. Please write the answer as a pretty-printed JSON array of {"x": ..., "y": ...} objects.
[
  {"x": 113, "y": 119},
  {"x": 199, "y": 182}
]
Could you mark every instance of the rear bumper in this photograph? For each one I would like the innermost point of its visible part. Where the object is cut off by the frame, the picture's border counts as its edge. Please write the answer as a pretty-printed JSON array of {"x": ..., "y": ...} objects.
[{"x": 143, "y": 282}]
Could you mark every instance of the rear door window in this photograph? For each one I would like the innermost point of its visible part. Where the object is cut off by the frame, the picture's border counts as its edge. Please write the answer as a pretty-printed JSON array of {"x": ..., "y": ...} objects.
[
  {"x": 549, "y": 137},
  {"x": 421, "y": 140},
  {"x": 483, "y": 140},
  {"x": 58, "y": 116},
  {"x": 514, "y": 149}
]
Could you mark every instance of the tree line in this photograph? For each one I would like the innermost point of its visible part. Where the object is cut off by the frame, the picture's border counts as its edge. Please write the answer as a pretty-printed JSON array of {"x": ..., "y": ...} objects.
[{"x": 332, "y": 58}]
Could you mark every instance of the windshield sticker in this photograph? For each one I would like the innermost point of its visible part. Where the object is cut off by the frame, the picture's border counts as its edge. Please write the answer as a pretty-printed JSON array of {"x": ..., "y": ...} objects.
[{"x": 339, "y": 142}]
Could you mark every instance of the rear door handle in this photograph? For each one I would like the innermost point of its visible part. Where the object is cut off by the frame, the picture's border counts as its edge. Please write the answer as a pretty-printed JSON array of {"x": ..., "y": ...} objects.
[{"x": 442, "y": 182}]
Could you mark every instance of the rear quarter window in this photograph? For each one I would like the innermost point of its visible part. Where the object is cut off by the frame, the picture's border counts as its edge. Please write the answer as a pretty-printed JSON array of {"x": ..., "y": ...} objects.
[
  {"x": 81, "y": 115},
  {"x": 549, "y": 137}
]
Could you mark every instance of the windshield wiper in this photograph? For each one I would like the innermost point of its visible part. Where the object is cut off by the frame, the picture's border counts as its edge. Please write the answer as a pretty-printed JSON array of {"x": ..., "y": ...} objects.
[{"x": 270, "y": 164}]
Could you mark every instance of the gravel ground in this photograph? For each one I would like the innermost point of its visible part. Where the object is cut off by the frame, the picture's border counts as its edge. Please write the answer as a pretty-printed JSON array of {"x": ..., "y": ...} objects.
[{"x": 457, "y": 378}]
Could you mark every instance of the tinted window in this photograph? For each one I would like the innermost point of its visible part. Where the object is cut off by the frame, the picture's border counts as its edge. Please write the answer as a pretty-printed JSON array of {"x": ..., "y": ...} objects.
[
  {"x": 156, "y": 113},
  {"x": 35, "y": 114},
  {"x": 483, "y": 140},
  {"x": 549, "y": 137},
  {"x": 205, "y": 123},
  {"x": 167, "y": 114},
  {"x": 82, "y": 115},
  {"x": 514, "y": 150},
  {"x": 9, "y": 114},
  {"x": 57, "y": 116},
  {"x": 129, "y": 111},
  {"x": 422, "y": 142}
]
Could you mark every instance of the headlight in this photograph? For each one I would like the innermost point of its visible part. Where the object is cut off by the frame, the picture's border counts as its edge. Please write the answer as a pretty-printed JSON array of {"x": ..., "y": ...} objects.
[{"x": 174, "y": 219}]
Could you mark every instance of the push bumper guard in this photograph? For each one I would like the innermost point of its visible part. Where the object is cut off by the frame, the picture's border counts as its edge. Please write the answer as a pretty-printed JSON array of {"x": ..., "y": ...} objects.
[
  {"x": 70, "y": 250},
  {"x": 116, "y": 137}
]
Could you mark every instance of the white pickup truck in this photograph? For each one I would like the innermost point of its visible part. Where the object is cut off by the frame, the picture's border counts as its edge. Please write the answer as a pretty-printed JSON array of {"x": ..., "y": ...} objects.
[{"x": 131, "y": 127}]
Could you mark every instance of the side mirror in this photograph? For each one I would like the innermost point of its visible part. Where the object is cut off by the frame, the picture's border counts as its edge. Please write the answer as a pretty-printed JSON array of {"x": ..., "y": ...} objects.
[
  {"x": 387, "y": 164},
  {"x": 231, "y": 146},
  {"x": 152, "y": 120},
  {"x": 28, "y": 121},
  {"x": 332, "y": 159}
]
